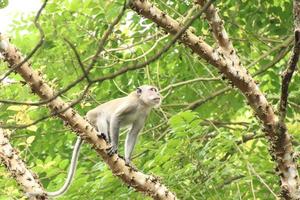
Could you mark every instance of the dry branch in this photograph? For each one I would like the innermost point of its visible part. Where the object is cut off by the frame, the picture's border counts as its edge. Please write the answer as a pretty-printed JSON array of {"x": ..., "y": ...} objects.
[
  {"x": 280, "y": 145},
  {"x": 149, "y": 185},
  {"x": 18, "y": 169}
]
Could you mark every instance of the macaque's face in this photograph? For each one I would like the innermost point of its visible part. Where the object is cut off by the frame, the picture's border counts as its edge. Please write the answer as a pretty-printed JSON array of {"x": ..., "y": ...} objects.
[{"x": 149, "y": 95}]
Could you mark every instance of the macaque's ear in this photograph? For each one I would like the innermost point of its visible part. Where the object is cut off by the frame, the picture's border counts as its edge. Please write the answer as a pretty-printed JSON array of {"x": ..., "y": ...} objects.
[{"x": 139, "y": 91}]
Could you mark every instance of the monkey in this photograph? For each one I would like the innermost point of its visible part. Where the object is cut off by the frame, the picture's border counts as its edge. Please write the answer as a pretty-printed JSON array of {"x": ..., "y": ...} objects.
[
  {"x": 108, "y": 118},
  {"x": 130, "y": 110}
]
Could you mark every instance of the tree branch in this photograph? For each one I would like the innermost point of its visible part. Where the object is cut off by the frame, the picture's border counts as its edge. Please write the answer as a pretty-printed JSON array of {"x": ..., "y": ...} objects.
[
  {"x": 199, "y": 102},
  {"x": 240, "y": 78},
  {"x": 37, "y": 46},
  {"x": 288, "y": 73},
  {"x": 171, "y": 86},
  {"x": 89, "y": 68},
  {"x": 220, "y": 33},
  {"x": 149, "y": 185},
  {"x": 18, "y": 169}
]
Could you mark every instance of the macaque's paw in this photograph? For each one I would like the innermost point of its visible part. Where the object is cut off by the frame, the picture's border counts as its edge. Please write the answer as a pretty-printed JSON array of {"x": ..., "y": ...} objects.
[
  {"x": 112, "y": 150},
  {"x": 103, "y": 136}
]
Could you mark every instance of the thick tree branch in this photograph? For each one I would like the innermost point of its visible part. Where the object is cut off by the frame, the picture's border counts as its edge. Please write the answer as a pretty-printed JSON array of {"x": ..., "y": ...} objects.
[
  {"x": 220, "y": 33},
  {"x": 18, "y": 169},
  {"x": 149, "y": 185},
  {"x": 240, "y": 78},
  {"x": 194, "y": 105}
]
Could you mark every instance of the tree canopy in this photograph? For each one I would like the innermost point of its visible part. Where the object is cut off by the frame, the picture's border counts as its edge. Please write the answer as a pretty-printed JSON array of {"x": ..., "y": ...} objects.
[{"x": 204, "y": 142}]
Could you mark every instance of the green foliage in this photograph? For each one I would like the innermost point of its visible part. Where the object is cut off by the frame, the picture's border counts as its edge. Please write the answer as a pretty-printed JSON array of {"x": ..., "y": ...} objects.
[
  {"x": 3, "y": 3},
  {"x": 195, "y": 156}
]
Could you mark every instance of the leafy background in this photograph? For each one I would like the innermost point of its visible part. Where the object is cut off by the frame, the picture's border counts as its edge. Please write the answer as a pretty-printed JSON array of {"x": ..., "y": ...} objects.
[{"x": 193, "y": 152}]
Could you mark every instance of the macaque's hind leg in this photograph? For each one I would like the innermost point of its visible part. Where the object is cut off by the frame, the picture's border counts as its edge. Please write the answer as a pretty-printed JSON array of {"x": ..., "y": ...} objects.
[{"x": 102, "y": 127}]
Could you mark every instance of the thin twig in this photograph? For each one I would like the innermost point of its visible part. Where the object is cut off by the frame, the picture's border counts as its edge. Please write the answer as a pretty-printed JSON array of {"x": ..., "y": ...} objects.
[
  {"x": 288, "y": 73},
  {"x": 38, "y": 45},
  {"x": 82, "y": 67}
]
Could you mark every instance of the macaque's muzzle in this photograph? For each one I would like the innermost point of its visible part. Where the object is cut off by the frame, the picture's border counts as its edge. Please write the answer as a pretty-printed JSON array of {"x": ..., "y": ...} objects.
[{"x": 156, "y": 101}]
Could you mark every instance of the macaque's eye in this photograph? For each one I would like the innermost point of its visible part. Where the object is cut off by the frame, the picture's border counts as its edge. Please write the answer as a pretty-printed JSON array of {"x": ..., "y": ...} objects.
[
  {"x": 153, "y": 89},
  {"x": 139, "y": 90}
]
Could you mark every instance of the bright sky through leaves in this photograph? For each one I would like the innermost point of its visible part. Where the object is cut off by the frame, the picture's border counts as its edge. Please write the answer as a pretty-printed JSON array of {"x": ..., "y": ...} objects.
[{"x": 16, "y": 8}]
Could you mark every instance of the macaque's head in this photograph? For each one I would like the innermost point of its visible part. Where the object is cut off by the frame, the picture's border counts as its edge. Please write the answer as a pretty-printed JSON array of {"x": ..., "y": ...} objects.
[{"x": 149, "y": 95}]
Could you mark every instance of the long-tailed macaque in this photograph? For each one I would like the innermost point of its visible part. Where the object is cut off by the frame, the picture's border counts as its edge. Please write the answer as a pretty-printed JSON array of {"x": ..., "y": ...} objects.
[
  {"x": 109, "y": 117},
  {"x": 130, "y": 110}
]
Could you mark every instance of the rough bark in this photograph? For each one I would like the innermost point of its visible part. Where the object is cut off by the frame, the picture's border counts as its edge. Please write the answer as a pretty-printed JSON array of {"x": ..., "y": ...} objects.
[
  {"x": 219, "y": 33},
  {"x": 287, "y": 75},
  {"x": 149, "y": 185},
  {"x": 18, "y": 169},
  {"x": 280, "y": 144}
]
